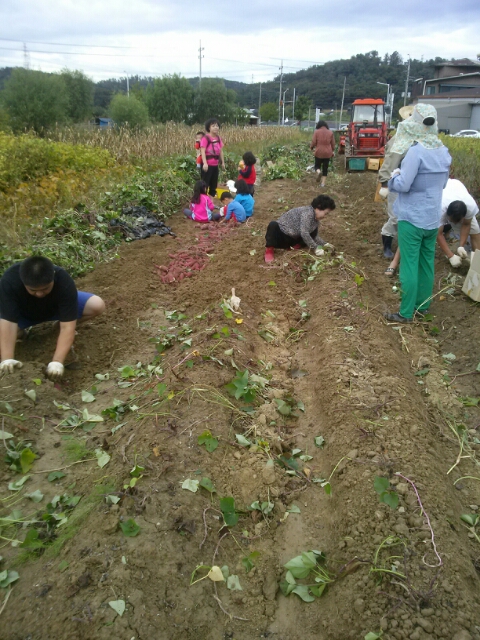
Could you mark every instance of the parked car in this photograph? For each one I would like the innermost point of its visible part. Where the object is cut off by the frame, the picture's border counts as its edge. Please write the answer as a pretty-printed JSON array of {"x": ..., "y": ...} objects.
[{"x": 467, "y": 133}]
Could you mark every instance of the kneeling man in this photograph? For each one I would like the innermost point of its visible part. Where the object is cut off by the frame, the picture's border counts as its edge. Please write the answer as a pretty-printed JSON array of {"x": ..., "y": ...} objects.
[{"x": 36, "y": 291}]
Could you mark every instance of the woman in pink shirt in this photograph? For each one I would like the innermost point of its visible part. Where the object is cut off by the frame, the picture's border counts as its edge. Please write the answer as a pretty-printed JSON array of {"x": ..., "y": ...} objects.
[
  {"x": 211, "y": 150},
  {"x": 324, "y": 144}
]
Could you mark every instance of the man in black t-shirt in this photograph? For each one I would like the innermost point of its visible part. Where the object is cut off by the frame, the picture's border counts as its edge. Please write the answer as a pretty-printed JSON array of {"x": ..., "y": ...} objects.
[{"x": 35, "y": 291}]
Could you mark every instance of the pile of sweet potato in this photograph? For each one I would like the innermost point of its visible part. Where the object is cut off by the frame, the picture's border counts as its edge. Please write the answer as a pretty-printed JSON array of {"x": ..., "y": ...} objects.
[{"x": 185, "y": 262}]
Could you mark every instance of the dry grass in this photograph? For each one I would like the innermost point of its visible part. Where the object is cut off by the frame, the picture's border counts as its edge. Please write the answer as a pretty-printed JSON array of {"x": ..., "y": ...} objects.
[{"x": 169, "y": 139}]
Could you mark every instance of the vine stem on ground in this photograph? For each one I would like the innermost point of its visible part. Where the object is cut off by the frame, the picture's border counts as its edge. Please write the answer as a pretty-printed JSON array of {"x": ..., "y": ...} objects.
[{"x": 440, "y": 561}]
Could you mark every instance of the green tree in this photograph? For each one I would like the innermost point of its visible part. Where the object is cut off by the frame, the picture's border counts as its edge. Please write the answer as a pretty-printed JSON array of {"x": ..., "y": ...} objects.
[
  {"x": 170, "y": 99},
  {"x": 213, "y": 100},
  {"x": 302, "y": 105},
  {"x": 269, "y": 111},
  {"x": 35, "y": 100},
  {"x": 129, "y": 111},
  {"x": 80, "y": 91}
]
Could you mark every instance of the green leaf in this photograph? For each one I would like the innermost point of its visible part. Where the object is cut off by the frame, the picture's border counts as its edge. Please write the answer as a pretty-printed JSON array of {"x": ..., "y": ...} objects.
[
  {"x": 381, "y": 484},
  {"x": 233, "y": 583},
  {"x": 37, "y": 381},
  {"x": 286, "y": 587},
  {"x": 32, "y": 394},
  {"x": 137, "y": 471},
  {"x": 207, "y": 484},
  {"x": 127, "y": 372},
  {"x": 319, "y": 441},
  {"x": 102, "y": 376},
  {"x": 7, "y": 577},
  {"x": 390, "y": 498},
  {"x": 112, "y": 499},
  {"x": 303, "y": 592},
  {"x": 470, "y": 518},
  {"x": 17, "y": 484},
  {"x": 294, "y": 509},
  {"x": 63, "y": 566},
  {"x": 373, "y": 636},
  {"x": 208, "y": 440},
  {"x": 118, "y": 606},
  {"x": 161, "y": 389},
  {"x": 55, "y": 475},
  {"x": 449, "y": 356},
  {"x": 470, "y": 402},
  {"x": 130, "y": 528},
  {"x": 422, "y": 372},
  {"x": 36, "y": 496},
  {"x": 301, "y": 406},
  {"x": 103, "y": 457},
  {"x": 297, "y": 567},
  {"x": 31, "y": 540},
  {"x": 27, "y": 458},
  {"x": 4, "y": 435},
  {"x": 249, "y": 561},
  {"x": 317, "y": 590},
  {"x": 87, "y": 396},
  {"x": 242, "y": 440},
  {"x": 190, "y": 485},
  {"x": 283, "y": 407},
  {"x": 227, "y": 507}
]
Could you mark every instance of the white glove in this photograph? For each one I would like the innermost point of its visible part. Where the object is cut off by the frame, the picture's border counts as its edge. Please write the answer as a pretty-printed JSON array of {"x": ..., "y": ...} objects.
[
  {"x": 319, "y": 251},
  {"x": 55, "y": 370},
  {"x": 455, "y": 261},
  {"x": 221, "y": 211},
  {"x": 462, "y": 253},
  {"x": 7, "y": 366},
  {"x": 394, "y": 173},
  {"x": 383, "y": 192},
  {"x": 327, "y": 245}
]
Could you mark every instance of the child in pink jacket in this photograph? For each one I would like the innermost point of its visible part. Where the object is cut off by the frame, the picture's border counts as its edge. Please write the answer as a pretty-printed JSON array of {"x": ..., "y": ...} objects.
[{"x": 202, "y": 205}]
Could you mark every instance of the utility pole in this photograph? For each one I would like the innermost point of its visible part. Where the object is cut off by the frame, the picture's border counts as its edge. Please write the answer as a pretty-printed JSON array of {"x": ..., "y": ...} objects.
[
  {"x": 406, "y": 82},
  {"x": 200, "y": 56},
  {"x": 280, "y": 94},
  {"x": 343, "y": 98},
  {"x": 26, "y": 58},
  {"x": 260, "y": 105},
  {"x": 128, "y": 85},
  {"x": 293, "y": 105}
]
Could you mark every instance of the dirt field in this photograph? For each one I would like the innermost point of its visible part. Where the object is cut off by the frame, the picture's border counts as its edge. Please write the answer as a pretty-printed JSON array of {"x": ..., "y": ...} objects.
[{"x": 384, "y": 398}]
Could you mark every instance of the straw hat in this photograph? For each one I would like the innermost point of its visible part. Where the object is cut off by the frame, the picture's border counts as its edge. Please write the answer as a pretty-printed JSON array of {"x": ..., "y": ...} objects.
[{"x": 406, "y": 111}]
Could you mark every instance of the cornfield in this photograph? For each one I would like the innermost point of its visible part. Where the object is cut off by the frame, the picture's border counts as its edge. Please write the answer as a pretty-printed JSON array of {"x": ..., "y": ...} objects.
[
  {"x": 165, "y": 140},
  {"x": 465, "y": 154}
]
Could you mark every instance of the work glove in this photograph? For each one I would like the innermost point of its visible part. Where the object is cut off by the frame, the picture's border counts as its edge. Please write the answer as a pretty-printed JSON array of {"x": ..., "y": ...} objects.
[
  {"x": 221, "y": 211},
  {"x": 55, "y": 370},
  {"x": 462, "y": 253},
  {"x": 396, "y": 172},
  {"x": 319, "y": 251},
  {"x": 7, "y": 366},
  {"x": 383, "y": 192},
  {"x": 327, "y": 245},
  {"x": 455, "y": 261}
]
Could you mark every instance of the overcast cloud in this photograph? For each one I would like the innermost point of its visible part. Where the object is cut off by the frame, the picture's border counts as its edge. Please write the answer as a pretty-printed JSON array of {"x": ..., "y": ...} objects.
[{"x": 240, "y": 42}]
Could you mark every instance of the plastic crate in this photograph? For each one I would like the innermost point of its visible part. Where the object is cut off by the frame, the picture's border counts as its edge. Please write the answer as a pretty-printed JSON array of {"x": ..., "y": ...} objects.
[{"x": 357, "y": 164}]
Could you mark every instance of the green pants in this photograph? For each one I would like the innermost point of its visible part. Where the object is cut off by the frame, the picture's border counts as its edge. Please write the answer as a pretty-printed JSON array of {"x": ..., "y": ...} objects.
[{"x": 417, "y": 255}]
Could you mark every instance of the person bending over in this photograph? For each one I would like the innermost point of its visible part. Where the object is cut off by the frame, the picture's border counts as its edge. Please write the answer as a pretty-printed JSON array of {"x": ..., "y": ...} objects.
[
  {"x": 36, "y": 291},
  {"x": 298, "y": 228},
  {"x": 459, "y": 212}
]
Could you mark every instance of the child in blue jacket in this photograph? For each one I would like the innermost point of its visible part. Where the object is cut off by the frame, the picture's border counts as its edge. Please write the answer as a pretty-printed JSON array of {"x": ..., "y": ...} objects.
[{"x": 244, "y": 197}]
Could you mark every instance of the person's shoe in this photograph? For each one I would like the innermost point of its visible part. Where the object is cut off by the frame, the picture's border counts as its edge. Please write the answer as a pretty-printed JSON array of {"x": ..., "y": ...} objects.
[
  {"x": 269, "y": 254},
  {"x": 322, "y": 183},
  {"x": 318, "y": 177},
  {"x": 387, "y": 247},
  {"x": 396, "y": 317},
  {"x": 296, "y": 247}
]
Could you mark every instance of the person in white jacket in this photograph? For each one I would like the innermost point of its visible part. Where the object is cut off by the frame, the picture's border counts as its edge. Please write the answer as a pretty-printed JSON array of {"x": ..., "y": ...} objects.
[{"x": 459, "y": 211}]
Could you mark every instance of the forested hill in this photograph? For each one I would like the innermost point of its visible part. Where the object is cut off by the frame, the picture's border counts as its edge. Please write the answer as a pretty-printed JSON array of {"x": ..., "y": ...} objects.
[{"x": 323, "y": 84}]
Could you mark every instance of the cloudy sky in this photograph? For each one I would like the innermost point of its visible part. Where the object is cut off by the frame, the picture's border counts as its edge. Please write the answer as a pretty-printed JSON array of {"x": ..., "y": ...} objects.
[{"x": 241, "y": 41}]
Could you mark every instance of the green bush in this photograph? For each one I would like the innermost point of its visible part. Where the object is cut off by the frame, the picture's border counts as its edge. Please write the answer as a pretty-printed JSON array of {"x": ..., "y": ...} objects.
[
  {"x": 128, "y": 111},
  {"x": 26, "y": 157}
]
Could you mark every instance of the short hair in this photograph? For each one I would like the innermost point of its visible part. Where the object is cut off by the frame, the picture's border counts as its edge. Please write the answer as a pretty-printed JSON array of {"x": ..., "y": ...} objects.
[
  {"x": 456, "y": 211},
  {"x": 209, "y": 123},
  {"x": 200, "y": 133},
  {"x": 242, "y": 187},
  {"x": 37, "y": 271},
  {"x": 322, "y": 123},
  {"x": 225, "y": 195},
  {"x": 323, "y": 202},
  {"x": 249, "y": 159}
]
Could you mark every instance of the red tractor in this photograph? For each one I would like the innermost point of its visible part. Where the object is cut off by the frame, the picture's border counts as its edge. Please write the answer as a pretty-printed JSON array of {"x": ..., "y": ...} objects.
[{"x": 367, "y": 133}]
